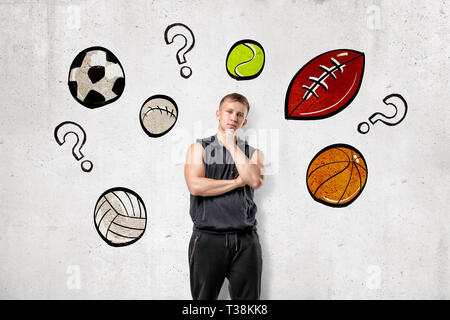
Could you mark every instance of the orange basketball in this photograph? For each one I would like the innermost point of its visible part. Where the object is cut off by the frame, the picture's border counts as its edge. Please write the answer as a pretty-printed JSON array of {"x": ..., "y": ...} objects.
[{"x": 337, "y": 175}]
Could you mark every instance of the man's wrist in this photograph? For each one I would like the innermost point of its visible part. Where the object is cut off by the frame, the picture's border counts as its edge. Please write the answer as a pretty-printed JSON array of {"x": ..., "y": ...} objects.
[{"x": 232, "y": 148}]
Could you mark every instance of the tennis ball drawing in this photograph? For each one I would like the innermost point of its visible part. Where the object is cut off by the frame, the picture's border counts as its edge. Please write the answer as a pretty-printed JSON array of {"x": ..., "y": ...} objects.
[
  {"x": 337, "y": 175},
  {"x": 245, "y": 60}
]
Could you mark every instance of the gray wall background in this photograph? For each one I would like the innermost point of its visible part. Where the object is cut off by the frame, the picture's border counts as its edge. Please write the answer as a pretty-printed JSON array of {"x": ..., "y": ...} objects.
[{"x": 391, "y": 243}]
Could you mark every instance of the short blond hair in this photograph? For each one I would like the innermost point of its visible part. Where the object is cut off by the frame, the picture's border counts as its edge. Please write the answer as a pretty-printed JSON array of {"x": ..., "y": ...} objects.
[{"x": 236, "y": 97}]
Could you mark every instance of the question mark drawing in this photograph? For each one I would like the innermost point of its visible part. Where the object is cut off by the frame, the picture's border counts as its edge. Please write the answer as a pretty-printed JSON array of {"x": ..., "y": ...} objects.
[
  {"x": 401, "y": 107},
  {"x": 69, "y": 127},
  {"x": 179, "y": 29}
]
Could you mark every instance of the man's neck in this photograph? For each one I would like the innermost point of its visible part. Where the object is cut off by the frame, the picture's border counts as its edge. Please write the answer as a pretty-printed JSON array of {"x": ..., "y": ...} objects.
[{"x": 221, "y": 133}]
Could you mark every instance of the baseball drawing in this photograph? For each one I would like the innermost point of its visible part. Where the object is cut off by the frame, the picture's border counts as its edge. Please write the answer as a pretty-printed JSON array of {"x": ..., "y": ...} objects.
[
  {"x": 120, "y": 217},
  {"x": 158, "y": 115}
]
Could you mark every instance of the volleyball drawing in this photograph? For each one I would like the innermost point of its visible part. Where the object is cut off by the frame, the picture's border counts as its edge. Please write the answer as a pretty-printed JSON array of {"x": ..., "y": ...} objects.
[
  {"x": 96, "y": 77},
  {"x": 120, "y": 217},
  {"x": 336, "y": 176},
  {"x": 158, "y": 115}
]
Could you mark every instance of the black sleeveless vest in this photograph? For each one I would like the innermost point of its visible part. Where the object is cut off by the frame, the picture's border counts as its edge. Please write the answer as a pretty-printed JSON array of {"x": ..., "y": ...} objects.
[{"x": 231, "y": 211}]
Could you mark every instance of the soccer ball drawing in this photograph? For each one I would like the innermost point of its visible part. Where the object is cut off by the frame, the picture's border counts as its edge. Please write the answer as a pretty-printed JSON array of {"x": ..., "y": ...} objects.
[{"x": 96, "y": 77}]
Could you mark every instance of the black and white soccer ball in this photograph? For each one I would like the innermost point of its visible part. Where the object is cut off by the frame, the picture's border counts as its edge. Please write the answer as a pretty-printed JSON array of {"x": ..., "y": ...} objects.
[{"x": 96, "y": 77}]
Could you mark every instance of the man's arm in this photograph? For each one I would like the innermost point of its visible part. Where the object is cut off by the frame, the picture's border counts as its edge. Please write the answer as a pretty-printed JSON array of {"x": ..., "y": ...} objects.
[
  {"x": 251, "y": 170},
  {"x": 194, "y": 173}
]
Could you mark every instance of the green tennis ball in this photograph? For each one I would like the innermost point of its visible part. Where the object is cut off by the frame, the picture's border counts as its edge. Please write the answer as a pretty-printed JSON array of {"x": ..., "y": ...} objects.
[{"x": 245, "y": 60}]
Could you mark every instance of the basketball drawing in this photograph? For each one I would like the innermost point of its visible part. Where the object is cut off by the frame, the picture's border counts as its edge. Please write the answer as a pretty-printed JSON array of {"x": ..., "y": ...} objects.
[
  {"x": 158, "y": 115},
  {"x": 337, "y": 175},
  {"x": 120, "y": 217}
]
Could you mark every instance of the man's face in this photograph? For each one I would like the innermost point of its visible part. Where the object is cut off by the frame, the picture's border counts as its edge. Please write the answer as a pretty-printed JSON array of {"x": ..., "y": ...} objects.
[{"x": 231, "y": 115}]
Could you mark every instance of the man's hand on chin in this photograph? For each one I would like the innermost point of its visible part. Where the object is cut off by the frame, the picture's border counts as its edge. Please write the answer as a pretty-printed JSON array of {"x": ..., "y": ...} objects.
[{"x": 228, "y": 140}]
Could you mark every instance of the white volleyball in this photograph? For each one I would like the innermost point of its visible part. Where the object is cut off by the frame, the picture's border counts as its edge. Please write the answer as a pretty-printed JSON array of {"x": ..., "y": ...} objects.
[{"x": 120, "y": 216}]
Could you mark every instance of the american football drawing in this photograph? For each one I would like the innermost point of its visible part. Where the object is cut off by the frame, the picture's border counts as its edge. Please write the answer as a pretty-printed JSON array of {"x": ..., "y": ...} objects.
[{"x": 325, "y": 85}]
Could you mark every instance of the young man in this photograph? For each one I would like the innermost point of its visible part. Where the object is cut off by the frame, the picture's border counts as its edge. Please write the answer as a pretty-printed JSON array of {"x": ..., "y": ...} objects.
[{"x": 221, "y": 173}]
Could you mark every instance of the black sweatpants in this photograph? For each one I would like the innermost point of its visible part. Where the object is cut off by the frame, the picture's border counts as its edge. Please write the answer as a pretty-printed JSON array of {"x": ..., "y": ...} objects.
[{"x": 234, "y": 255}]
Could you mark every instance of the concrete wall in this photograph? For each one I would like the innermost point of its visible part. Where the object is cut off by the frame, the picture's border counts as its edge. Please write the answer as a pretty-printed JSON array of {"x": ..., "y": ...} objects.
[{"x": 391, "y": 243}]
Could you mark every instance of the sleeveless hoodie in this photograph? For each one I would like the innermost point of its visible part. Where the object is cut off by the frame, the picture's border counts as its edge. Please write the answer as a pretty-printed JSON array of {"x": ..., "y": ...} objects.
[{"x": 231, "y": 211}]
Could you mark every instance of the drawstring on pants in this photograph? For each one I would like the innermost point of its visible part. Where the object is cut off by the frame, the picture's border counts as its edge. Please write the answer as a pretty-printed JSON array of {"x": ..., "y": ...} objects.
[{"x": 235, "y": 241}]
